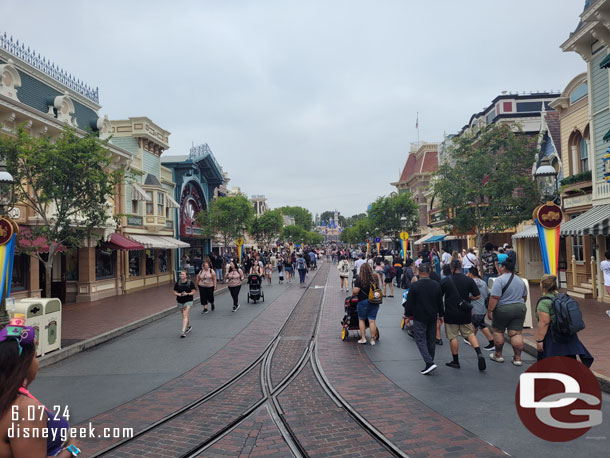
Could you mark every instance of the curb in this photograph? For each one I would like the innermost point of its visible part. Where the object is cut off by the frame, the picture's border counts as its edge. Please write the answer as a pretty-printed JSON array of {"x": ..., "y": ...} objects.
[
  {"x": 86, "y": 344},
  {"x": 604, "y": 381}
]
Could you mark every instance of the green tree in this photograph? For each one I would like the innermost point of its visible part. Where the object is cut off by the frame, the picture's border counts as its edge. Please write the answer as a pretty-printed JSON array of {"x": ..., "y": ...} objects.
[
  {"x": 229, "y": 217},
  {"x": 314, "y": 238},
  {"x": 327, "y": 215},
  {"x": 352, "y": 220},
  {"x": 266, "y": 228},
  {"x": 363, "y": 229},
  {"x": 386, "y": 214},
  {"x": 69, "y": 184},
  {"x": 489, "y": 188},
  {"x": 295, "y": 234},
  {"x": 302, "y": 216}
]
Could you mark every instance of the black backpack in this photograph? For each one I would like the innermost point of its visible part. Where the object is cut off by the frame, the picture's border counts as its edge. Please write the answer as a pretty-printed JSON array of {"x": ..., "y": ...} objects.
[{"x": 568, "y": 317}]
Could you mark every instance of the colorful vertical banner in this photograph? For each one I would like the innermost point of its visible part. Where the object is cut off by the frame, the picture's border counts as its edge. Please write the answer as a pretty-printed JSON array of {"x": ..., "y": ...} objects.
[
  {"x": 7, "y": 253},
  {"x": 240, "y": 248},
  {"x": 368, "y": 245},
  {"x": 378, "y": 245},
  {"x": 404, "y": 237},
  {"x": 548, "y": 219},
  {"x": 290, "y": 245}
]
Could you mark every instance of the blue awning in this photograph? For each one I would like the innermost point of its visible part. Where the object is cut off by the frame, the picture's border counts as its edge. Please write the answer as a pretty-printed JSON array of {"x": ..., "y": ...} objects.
[{"x": 436, "y": 238}]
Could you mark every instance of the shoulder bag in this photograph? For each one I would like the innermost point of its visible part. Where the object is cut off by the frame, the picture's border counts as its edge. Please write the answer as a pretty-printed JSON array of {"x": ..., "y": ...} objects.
[{"x": 463, "y": 305}]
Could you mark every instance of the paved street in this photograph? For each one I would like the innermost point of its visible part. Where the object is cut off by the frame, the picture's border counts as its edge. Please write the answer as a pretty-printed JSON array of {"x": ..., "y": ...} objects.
[{"x": 143, "y": 377}]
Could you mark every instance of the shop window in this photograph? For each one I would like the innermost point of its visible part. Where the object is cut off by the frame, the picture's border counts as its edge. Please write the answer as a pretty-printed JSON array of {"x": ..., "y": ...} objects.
[
  {"x": 135, "y": 265},
  {"x": 584, "y": 156},
  {"x": 21, "y": 264},
  {"x": 149, "y": 204},
  {"x": 577, "y": 249},
  {"x": 160, "y": 203},
  {"x": 72, "y": 264},
  {"x": 164, "y": 257},
  {"x": 105, "y": 261},
  {"x": 134, "y": 207},
  {"x": 150, "y": 262}
]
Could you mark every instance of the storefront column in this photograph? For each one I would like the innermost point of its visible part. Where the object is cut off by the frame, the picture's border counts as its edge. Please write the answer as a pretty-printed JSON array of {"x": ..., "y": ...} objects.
[
  {"x": 34, "y": 277},
  {"x": 86, "y": 273}
]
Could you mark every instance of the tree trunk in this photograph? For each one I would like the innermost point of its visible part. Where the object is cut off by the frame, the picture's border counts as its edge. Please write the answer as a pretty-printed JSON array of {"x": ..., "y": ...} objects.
[
  {"x": 480, "y": 248},
  {"x": 48, "y": 268}
]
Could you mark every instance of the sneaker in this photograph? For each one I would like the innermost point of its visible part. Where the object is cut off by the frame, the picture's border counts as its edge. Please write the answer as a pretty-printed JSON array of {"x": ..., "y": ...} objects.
[
  {"x": 373, "y": 342},
  {"x": 189, "y": 328},
  {"x": 362, "y": 341},
  {"x": 429, "y": 368},
  {"x": 517, "y": 363},
  {"x": 183, "y": 335},
  {"x": 439, "y": 341},
  {"x": 497, "y": 359},
  {"x": 489, "y": 347},
  {"x": 466, "y": 341},
  {"x": 482, "y": 364},
  {"x": 212, "y": 307},
  {"x": 235, "y": 307},
  {"x": 204, "y": 311},
  {"x": 453, "y": 364}
]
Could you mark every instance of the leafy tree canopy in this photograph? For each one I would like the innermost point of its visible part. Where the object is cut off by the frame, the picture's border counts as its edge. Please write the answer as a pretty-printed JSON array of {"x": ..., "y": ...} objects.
[
  {"x": 386, "y": 214},
  {"x": 266, "y": 228},
  {"x": 229, "y": 217},
  {"x": 295, "y": 234},
  {"x": 302, "y": 216}
]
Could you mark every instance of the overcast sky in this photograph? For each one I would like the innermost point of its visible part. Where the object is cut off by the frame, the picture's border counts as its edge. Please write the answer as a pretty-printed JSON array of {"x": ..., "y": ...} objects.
[{"x": 311, "y": 103}]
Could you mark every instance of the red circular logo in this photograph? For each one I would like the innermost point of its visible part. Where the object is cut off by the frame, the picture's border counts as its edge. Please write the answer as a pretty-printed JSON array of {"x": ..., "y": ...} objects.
[
  {"x": 549, "y": 215},
  {"x": 6, "y": 231},
  {"x": 558, "y": 399}
]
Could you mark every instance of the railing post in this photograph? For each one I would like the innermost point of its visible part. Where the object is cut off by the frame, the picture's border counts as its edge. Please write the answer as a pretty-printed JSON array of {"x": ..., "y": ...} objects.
[
  {"x": 594, "y": 276},
  {"x": 574, "y": 271}
]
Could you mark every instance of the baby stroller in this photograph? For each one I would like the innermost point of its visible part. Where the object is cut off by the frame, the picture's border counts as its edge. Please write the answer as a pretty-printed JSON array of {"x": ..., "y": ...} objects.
[
  {"x": 350, "y": 319},
  {"x": 255, "y": 290},
  {"x": 407, "y": 321}
]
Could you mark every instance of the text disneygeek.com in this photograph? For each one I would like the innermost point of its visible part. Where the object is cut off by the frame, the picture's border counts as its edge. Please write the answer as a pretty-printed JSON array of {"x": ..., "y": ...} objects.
[{"x": 16, "y": 431}]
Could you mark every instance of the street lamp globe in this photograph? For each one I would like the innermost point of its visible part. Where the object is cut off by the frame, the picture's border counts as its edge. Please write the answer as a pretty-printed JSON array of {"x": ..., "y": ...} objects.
[
  {"x": 7, "y": 184},
  {"x": 546, "y": 180}
]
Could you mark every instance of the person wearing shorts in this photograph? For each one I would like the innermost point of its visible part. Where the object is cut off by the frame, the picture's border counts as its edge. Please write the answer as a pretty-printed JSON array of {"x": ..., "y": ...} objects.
[
  {"x": 184, "y": 289},
  {"x": 366, "y": 311},
  {"x": 507, "y": 311}
]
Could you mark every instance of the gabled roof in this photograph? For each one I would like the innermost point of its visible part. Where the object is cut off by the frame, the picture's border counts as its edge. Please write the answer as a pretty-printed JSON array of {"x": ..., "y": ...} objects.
[
  {"x": 552, "y": 121},
  {"x": 427, "y": 162}
]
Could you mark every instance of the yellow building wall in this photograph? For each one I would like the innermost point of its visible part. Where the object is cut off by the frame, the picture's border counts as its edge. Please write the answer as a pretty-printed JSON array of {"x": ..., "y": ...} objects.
[{"x": 574, "y": 118}]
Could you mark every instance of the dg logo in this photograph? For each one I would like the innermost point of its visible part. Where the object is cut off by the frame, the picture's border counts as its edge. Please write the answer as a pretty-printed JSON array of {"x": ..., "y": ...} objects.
[{"x": 559, "y": 399}]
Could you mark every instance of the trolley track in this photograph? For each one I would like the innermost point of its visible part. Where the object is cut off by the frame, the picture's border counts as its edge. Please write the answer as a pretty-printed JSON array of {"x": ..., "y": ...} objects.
[{"x": 288, "y": 367}]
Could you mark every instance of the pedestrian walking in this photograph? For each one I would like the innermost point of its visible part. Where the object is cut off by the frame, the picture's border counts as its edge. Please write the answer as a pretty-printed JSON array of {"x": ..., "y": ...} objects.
[
  {"x": 469, "y": 260},
  {"x": 268, "y": 272},
  {"x": 302, "y": 268},
  {"x": 366, "y": 311},
  {"x": 445, "y": 258},
  {"x": 425, "y": 305},
  {"x": 490, "y": 263},
  {"x": 459, "y": 291},
  {"x": 479, "y": 309},
  {"x": 398, "y": 268},
  {"x": 605, "y": 267},
  {"x": 388, "y": 275},
  {"x": 507, "y": 310},
  {"x": 184, "y": 289},
  {"x": 217, "y": 265},
  {"x": 548, "y": 343},
  {"x": 343, "y": 268},
  {"x": 379, "y": 266},
  {"x": 234, "y": 278},
  {"x": 206, "y": 280}
]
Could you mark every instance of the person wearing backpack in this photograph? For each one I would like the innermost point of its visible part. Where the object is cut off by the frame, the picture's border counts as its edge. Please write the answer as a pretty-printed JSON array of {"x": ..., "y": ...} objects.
[
  {"x": 343, "y": 268},
  {"x": 507, "y": 311},
  {"x": 551, "y": 339},
  {"x": 302, "y": 268},
  {"x": 388, "y": 275},
  {"x": 365, "y": 286}
]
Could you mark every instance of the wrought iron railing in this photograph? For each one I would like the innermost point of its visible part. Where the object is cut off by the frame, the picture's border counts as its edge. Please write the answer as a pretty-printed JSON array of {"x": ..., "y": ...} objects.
[{"x": 30, "y": 57}]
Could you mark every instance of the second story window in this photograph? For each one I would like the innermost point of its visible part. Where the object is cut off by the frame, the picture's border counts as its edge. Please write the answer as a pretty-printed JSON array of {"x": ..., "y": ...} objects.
[
  {"x": 584, "y": 156},
  {"x": 150, "y": 209},
  {"x": 160, "y": 203}
]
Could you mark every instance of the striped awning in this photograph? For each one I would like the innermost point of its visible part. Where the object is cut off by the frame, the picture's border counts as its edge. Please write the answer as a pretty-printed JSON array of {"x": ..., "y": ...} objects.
[
  {"x": 158, "y": 241},
  {"x": 137, "y": 193},
  {"x": 595, "y": 221},
  {"x": 530, "y": 233},
  {"x": 171, "y": 203},
  {"x": 424, "y": 239},
  {"x": 455, "y": 237}
]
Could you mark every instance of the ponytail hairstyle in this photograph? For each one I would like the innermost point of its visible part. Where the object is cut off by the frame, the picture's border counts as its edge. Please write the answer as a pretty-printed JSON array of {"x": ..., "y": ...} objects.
[{"x": 14, "y": 370}]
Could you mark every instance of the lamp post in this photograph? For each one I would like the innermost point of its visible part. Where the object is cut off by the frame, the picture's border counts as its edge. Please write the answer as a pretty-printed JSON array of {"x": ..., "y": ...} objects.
[
  {"x": 548, "y": 215},
  {"x": 8, "y": 231}
]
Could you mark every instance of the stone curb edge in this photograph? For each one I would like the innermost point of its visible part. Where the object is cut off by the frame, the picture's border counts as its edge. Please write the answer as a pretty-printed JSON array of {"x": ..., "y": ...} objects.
[
  {"x": 83, "y": 345},
  {"x": 604, "y": 381}
]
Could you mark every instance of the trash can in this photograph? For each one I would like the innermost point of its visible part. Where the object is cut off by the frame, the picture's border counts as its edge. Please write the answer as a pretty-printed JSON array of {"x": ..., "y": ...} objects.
[
  {"x": 34, "y": 317},
  {"x": 51, "y": 322}
]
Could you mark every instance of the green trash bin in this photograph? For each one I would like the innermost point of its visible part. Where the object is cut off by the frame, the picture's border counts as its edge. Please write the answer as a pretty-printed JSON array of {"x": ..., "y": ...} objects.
[
  {"x": 51, "y": 321},
  {"x": 34, "y": 316}
]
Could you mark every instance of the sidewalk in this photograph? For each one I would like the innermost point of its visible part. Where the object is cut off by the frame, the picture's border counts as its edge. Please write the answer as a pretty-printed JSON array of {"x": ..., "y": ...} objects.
[
  {"x": 87, "y": 324},
  {"x": 595, "y": 336}
]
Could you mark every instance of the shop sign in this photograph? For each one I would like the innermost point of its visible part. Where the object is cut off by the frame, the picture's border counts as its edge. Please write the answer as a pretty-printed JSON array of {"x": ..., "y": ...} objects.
[
  {"x": 577, "y": 201},
  {"x": 134, "y": 220}
]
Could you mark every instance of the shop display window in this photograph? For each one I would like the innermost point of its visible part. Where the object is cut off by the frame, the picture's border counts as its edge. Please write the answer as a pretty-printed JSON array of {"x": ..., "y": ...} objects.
[
  {"x": 135, "y": 264},
  {"x": 105, "y": 261}
]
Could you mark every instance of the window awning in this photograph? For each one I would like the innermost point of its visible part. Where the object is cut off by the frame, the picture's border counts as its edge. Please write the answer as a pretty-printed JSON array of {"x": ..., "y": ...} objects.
[
  {"x": 595, "y": 221},
  {"x": 530, "y": 232},
  {"x": 607, "y": 137},
  {"x": 171, "y": 203},
  {"x": 120, "y": 242},
  {"x": 424, "y": 239},
  {"x": 138, "y": 193},
  {"x": 436, "y": 238},
  {"x": 605, "y": 63},
  {"x": 455, "y": 237},
  {"x": 158, "y": 241},
  {"x": 27, "y": 243}
]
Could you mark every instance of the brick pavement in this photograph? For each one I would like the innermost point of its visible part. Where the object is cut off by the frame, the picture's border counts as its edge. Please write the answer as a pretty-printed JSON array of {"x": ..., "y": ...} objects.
[
  {"x": 201, "y": 380},
  {"x": 187, "y": 431},
  {"x": 257, "y": 436},
  {"x": 594, "y": 336},
  {"x": 415, "y": 428},
  {"x": 322, "y": 428}
]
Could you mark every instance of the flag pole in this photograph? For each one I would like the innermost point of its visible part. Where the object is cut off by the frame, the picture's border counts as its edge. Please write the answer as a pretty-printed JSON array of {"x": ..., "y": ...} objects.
[{"x": 417, "y": 127}]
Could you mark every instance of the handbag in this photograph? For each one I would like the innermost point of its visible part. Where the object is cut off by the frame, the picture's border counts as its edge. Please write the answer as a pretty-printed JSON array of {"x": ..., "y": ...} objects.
[
  {"x": 375, "y": 294},
  {"x": 463, "y": 305}
]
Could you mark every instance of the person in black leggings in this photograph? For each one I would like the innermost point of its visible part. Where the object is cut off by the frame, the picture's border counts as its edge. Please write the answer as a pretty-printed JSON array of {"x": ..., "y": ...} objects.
[{"x": 234, "y": 277}]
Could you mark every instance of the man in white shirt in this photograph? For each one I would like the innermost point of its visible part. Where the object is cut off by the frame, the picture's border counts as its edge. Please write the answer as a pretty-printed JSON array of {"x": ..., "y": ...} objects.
[
  {"x": 358, "y": 263},
  {"x": 445, "y": 258},
  {"x": 605, "y": 266},
  {"x": 470, "y": 260}
]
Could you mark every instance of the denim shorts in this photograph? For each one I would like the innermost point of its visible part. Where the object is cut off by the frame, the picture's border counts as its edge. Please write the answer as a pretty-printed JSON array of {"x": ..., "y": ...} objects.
[
  {"x": 366, "y": 310},
  {"x": 186, "y": 305}
]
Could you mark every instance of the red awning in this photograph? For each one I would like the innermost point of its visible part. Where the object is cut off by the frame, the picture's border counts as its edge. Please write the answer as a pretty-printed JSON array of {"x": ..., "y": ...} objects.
[
  {"x": 120, "y": 242},
  {"x": 25, "y": 242}
]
